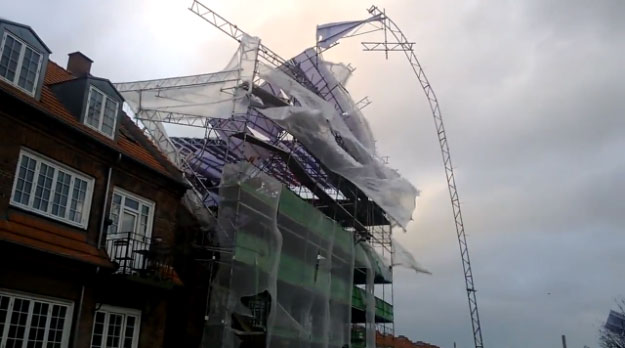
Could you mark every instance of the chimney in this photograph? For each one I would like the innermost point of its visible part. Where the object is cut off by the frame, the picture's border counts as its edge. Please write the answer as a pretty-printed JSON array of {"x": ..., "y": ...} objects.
[{"x": 78, "y": 64}]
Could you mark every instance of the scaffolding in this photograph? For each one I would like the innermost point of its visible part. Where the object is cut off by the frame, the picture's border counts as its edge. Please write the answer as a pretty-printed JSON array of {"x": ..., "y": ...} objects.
[{"x": 284, "y": 162}]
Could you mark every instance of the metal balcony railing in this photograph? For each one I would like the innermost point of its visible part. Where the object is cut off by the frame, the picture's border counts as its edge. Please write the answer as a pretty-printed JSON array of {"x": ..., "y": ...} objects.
[{"x": 137, "y": 255}]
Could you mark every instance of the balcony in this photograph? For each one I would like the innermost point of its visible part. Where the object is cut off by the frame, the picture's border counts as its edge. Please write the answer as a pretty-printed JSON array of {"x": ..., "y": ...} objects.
[{"x": 141, "y": 258}]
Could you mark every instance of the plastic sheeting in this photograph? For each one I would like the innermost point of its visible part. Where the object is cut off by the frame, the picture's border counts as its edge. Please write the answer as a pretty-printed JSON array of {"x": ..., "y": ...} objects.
[
  {"x": 243, "y": 294},
  {"x": 370, "y": 301},
  {"x": 329, "y": 33},
  {"x": 288, "y": 281},
  {"x": 316, "y": 124},
  {"x": 330, "y": 79},
  {"x": 218, "y": 95},
  {"x": 403, "y": 258},
  {"x": 341, "y": 72},
  {"x": 313, "y": 121}
]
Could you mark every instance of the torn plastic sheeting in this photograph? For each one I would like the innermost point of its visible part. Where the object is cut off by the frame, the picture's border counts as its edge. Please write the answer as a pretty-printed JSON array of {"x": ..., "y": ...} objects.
[
  {"x": 215, "y": 99},
  {"x": 342, "y": 72},
  {"x": 331, "y": 88},
  {"x": 382, "y": 270},
  {"x": 403, "y": 258},
  {"x": 329, "y": 33},
  {"x": 353, "y": 118},
  {"x": 314, "y": 124}
]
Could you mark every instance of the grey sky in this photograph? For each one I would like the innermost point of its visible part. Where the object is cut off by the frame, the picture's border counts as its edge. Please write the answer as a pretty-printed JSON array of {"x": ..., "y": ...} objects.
[{"x": 533, "y": 97}]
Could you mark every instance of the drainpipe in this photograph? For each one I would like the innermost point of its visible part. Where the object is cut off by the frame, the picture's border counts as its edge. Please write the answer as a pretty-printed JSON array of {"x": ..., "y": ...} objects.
[
  {"x": 77, "y": 319},
  {"x": 106, "y": 200},
  {"x": 100, "y": 236}
]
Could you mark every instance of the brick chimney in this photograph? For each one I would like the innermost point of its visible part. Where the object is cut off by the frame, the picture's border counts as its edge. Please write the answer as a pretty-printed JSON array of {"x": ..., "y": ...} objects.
[{"x": 78, "y": 64}]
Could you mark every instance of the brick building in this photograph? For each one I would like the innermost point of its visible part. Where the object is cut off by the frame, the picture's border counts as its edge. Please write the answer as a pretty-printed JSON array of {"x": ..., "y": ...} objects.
[{"x": 89, "y": 209}]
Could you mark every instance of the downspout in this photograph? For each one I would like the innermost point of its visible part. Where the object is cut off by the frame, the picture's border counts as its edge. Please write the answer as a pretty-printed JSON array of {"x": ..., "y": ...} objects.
[
  {"x": 106, "y": 201},
  {"x": 77, "y": 319},
  {"x": 100, "y": 235}
]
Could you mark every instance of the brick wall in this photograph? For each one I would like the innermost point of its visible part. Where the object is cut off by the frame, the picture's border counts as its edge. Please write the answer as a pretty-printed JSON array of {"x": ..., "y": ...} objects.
[{"x": 40, "y": 273}]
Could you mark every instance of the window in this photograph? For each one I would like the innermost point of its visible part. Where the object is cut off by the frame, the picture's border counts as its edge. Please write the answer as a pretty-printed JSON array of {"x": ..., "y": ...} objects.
[
  {"x": 52, "y": 189},
  {"x": 27, "y": 321},
  {"x": 101, "y": 112},
  {"x": 131, "y": 214},
  {"x": 129, "y": 236},
  {"x": 19, "y": 64},
  {"x": 116, "y": 327}
]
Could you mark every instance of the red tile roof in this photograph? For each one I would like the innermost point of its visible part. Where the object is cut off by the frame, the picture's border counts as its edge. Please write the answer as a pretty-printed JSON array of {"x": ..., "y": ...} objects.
[
  {"x": 46, "y": 236},
  {"x": 388, "y": 340},
  {"x": 131, "y": 141},
  {"x": 56, "y": 74}
]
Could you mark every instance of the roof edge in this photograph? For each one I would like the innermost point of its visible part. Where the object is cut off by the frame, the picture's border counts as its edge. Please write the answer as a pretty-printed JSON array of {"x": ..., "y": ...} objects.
[{"x": 29, "y": 28}]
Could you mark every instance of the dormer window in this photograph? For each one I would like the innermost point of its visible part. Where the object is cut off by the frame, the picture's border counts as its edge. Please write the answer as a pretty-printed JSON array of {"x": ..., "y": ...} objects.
[
  {"x": 101, "y": 112},
  {"x": 19, "y": 63}
]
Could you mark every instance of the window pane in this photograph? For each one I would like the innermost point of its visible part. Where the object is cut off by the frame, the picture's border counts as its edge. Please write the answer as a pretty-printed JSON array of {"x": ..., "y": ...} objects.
[
  {"x": 130, "y": 331},
  {"x": 44, "y": 185},
  {"x": 38, "y": 323},
  {"x": 10, "y": 55},
  {"x": 61, "y": 193},
  {"x": 143, "y": 228},
  {"x": 98, "y": 330},
  {"x": 129, "y": 221},
  {"x": 114, "y": 331},
  {"x": 95, "y": 107},
  {"x": 30, "y": 64},
  {"x": 110, "y": 111},
  {"x": 115, "y": 206},
  {"x": 25, "y": 180},
  {"x": 17, "y": 327},
  {"x": 131, "y": 203},
  {"x": 57, "y": 321},
  {"x": 78, "y": 200}
]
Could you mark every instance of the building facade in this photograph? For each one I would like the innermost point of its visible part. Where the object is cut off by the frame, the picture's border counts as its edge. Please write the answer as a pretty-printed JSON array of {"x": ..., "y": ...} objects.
[{"x": 88, "y": 208}]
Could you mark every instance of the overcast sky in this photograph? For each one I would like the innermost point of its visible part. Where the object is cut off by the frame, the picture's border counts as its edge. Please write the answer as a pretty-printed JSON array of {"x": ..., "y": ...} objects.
[{"x": 533, "y": 97}]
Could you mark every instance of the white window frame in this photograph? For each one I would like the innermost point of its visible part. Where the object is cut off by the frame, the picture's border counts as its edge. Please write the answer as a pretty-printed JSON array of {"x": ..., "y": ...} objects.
[
  {"x": 67, "y": 325},
  {"x": 101, "y": 113},
  {"x": 108, "y": 310},
  {"x": 56, "y": 165},
  {"x": 141, "y": 200},
  {"x": 20, "y": 61}
]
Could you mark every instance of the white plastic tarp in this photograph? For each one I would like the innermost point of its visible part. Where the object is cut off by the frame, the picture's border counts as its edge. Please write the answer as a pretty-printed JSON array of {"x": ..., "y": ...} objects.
[
  {"x": 329, "y": 33},
  {"x": 216, "y": 95},
  {"x": 404, "y": 258},
  {"x": 314, "y": 122}
]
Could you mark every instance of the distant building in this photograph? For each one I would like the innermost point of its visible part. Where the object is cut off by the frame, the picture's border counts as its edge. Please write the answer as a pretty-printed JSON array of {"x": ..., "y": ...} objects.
[{"x": 615, "y": 323}]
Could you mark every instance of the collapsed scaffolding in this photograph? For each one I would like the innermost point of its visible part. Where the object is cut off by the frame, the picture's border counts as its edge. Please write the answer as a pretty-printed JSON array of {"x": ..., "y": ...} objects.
[{"x": 298, "y": 207}]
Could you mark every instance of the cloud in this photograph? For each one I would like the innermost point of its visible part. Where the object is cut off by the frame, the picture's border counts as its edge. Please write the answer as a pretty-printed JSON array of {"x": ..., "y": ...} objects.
[{"x": 532, "y": 96}]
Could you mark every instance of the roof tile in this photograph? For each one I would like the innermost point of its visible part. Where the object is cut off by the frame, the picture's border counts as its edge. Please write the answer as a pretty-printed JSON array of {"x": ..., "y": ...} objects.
[{"x": 127, "y": 142}]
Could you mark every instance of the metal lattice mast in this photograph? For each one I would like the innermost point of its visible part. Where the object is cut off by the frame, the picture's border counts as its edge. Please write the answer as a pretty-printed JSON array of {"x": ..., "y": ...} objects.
[{"x": 402, "y": 44}]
